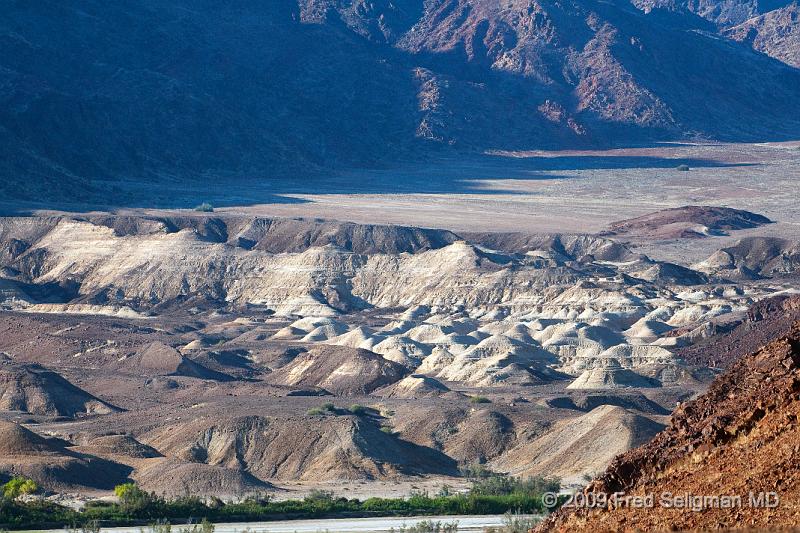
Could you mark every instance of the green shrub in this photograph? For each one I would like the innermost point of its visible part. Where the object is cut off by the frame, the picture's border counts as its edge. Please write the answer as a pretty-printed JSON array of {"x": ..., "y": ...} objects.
[
  {"x": 92, "y": 526},
  {"x": 428, "y": 526},
  {"x": 318, "y": 495},
  {"x": 389, "y": 430},
  {"x": 160, "y": 526},
  {"x": 18, "y": 486},
  {"x": 205, "y": 207},
  {"x": 357, "y": 409},
  {"x": 259, "y": 498},
  {"x": 495, "y": 495},
  {"x": 476, "y": 471},
  {"x": 682, "y": 168},
  {"x": 326, "y": 408},
  {"x": 479, "y": 399},
  {"x": 203, "y": 527},
  {"x": 515, "y": 523},
  {"x": 132, "y": 498},
  {"x": 500, "y": 485},
  {"x": 445, "y": 491}
]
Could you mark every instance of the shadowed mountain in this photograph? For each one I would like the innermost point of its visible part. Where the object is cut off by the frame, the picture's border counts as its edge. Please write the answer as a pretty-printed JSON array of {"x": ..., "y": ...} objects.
[
  {"x": 776, "y": 33},
  {"x": 771, "y": 26},
  {"x": 107, "y": 103}
]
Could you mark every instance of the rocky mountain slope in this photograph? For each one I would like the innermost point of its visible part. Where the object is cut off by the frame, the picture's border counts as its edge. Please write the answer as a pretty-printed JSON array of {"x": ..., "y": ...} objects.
[
  {"x": 771, "y": 27},
  {"x": 753, "y": 258},
  {"x": 99, "y": 101},
  {"x": 776, "y": 33},
  {"x": 765, "y": 320},
  {"x": 739, "y": 437}
]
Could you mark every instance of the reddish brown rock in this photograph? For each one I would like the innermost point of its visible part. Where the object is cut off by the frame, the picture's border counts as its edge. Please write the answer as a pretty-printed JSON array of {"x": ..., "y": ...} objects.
[{"x": 741, "y": 437}]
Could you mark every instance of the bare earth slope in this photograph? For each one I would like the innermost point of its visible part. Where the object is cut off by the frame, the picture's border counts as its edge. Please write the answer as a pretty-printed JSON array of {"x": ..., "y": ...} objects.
[
  {"x": 316, "y": 449},
  {"x": 688, "y": 222},
  {"x": 50, "y": 464},
  {"x": 36, "y": 390},
  {"x": 580, "y": 445},
  {"x": 256, "y": 354}
]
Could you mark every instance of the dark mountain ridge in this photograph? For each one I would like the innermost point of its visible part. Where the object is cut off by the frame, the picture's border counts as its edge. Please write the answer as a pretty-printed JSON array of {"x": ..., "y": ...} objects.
[{"x": 99, "y": 94}]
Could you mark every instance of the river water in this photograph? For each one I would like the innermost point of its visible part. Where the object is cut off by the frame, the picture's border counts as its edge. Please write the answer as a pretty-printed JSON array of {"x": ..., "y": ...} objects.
[{"x": 466, "y": 524}]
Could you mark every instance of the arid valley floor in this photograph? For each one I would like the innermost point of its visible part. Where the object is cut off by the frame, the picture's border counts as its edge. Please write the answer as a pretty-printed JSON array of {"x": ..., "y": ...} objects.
[{"x": 535, "y": 313}]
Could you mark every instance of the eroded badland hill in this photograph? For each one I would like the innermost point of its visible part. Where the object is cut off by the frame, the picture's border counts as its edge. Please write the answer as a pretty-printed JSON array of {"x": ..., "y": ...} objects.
[{"x": 223, "y": 354}]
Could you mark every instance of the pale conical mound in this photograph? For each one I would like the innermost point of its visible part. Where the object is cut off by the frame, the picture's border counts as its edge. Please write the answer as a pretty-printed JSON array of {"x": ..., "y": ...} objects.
[
  {"x": 360, "y": 337},
  {"x": 415, "y": 386},
  {"x": 339, "y": 370},
  {"x": 610, "y": 376}
]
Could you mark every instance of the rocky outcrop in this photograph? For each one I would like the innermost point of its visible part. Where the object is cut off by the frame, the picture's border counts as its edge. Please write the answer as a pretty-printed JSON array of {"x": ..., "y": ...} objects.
[
  {"x": 765, "y": 320},
  {"x": 775, "y": 33},
  {"x": 740, "y": 437},
  {"x": 754, "y": 258},
  {"x": 770, "y": 27}
]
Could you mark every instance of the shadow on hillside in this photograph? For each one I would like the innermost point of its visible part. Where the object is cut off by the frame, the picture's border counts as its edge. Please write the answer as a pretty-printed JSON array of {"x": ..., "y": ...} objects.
[
  {"x": 465, "y": 174},
  {"x": 469, "y": 174}
]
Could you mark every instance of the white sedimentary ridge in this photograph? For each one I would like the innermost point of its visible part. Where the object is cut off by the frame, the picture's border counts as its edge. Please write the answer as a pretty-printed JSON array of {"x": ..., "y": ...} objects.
[{"x": 458, "y": 313}]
